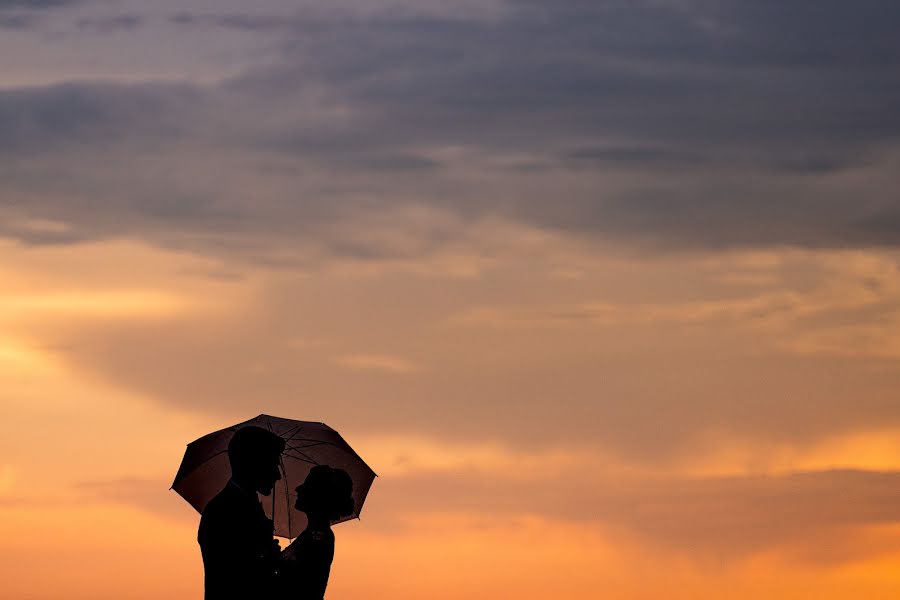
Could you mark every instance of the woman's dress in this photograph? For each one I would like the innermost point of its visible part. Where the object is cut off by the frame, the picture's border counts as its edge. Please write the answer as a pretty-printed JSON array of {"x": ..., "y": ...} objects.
[{"x": 307, "y": 564}]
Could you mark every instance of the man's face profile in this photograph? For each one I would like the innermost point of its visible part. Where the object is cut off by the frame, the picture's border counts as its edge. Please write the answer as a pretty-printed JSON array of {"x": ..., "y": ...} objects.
[
  {"x": 255, "y": 456},
  {"x": 268, "y": 474}
]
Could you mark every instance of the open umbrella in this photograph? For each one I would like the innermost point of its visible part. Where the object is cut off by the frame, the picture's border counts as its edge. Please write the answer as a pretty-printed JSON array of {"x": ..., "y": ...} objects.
[{"x": 205, "y": 469}]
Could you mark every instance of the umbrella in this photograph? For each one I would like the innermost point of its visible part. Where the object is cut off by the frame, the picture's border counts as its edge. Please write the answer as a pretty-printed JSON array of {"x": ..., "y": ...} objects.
[{"x": 205, "y": 469}]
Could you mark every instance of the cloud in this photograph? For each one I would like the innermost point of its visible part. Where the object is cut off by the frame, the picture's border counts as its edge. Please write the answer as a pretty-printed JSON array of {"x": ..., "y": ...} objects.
[
  {"x": 33, "y": 4},
  {"x": 726, "y": 518},
  {"x": 74, "y": 117},
  {"x": 25, "y": 15},
  {"x": 150, "y": 495},
  {"x": 638, "y": 156},
  {"x": 238, "y": 21},
  {"x": 376, "y": 362},
  {"x": 690, "y": 125},
  {"x": 111, "y": 24},
  {"x": 640, "y": 379},
  {"x": 19, "y": 21},
  {"x": 110, "y": 304}
]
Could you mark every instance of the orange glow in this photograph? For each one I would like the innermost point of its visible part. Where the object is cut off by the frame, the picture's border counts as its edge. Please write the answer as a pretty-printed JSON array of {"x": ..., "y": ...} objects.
[{"x": 86, "y": 498}]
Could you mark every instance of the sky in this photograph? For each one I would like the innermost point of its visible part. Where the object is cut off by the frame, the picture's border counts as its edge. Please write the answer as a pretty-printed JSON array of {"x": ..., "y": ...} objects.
[{"x": 607, "y": 292}]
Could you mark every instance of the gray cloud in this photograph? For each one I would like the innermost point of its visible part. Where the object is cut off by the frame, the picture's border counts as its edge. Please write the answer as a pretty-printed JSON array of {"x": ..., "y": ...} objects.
[
  {"x": 246, "y": 22},
  {"x": 25, "y": 15},
  {"x": 673, "y": 124},
  {"x": 34, "y": 4},
  {"x": 20, "y": 21},
  {"x": 111, "y": 24},
  {"x": 637, "y": 69},
  {"x": 80, "y": 116}
]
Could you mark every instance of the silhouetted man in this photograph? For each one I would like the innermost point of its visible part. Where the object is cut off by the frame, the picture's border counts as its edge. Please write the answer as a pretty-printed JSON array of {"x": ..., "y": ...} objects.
[{"x": 240, "y": 555}]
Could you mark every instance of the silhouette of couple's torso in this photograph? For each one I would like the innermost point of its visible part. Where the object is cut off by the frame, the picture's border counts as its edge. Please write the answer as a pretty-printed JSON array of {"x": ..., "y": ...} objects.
[{"x": 241, "y": 559}]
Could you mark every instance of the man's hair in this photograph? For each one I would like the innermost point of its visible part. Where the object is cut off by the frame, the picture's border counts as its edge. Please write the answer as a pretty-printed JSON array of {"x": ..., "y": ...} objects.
[{"x": 250, "y": 446}]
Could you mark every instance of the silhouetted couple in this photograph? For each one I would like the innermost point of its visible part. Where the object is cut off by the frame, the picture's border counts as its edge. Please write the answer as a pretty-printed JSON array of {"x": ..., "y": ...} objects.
[{"x": 241, "y": 558}]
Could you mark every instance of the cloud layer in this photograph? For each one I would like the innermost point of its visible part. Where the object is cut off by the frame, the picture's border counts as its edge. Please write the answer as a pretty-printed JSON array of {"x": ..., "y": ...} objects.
[{"x": 665, "y": 124}]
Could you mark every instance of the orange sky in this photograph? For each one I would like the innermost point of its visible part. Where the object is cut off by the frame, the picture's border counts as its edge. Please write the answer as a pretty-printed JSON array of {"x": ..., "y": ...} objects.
[{"x": 695, "y": 502}]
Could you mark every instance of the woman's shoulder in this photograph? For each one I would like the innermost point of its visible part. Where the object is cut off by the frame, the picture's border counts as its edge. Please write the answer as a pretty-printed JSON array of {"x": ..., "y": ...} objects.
[
  {"x": 313, "y": 537},
  {"x": 321, "y": 535}
]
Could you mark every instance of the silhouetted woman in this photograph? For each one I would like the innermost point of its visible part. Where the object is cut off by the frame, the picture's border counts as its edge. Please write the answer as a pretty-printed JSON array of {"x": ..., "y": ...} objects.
[{"x": 325, "y": 497}]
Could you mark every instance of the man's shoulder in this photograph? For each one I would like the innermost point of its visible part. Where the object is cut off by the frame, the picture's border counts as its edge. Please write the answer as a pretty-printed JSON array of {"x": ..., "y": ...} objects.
[
  {"x": 232, "y": 495},
  {"x": 224, "y": 507},
  {"x": 223, "y": 501}
]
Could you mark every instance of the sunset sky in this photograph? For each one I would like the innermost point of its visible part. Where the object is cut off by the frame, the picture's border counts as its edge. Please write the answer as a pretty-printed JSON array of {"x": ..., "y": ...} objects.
[{"x": 607, "y": 292}]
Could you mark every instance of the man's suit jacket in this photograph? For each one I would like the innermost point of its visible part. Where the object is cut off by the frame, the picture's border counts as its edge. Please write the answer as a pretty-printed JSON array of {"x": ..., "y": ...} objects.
[{"x": 239, "y": 555}]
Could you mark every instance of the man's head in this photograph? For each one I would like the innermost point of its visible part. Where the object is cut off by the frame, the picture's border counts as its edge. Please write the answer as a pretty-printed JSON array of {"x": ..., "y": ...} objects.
[{"x": 254, "y": 455}]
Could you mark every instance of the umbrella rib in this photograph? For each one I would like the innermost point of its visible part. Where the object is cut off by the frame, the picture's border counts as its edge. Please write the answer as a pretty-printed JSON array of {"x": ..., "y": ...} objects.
[
  {"x": 287, "y": 497},
  {"x": 343, "y": 446},
  {"x": 299, "y": 450},
  {"x": 209, "y": 435},
  {"x": 302, "y": 456},
  {"x": 295, "y": 448},
  {"x": 269, "y": 425},
  {"x": 287, "y": 492},
  {"x": 202, "y": 462},
  {"x": 297, "y": 429},
  {"x": 314, "y": 444}
]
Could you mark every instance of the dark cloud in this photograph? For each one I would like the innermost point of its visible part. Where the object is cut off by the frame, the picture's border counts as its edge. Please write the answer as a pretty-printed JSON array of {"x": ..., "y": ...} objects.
[
  {"x": 396, "y": 163},
  {"x": 124, "y": 22},
  {"x": 238, "y": 21},
  {"x": 718, "y": 124},
  {"x": 637, "y": 69},
  {"x": 636, "y": 156},
  {"x": 39, "y": 121},
  {"x": 34, "y": 4},
  {"x": 24, "y": 15},
  {"x": 20, "y": 21}
]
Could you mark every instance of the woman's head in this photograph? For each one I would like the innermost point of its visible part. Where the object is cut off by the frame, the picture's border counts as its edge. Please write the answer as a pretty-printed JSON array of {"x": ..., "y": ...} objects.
[{"x": 327, "y": 492}]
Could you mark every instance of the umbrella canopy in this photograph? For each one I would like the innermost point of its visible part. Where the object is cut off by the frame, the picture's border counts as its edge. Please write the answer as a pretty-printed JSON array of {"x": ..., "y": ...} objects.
[{"x": 205, "y": 469}]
